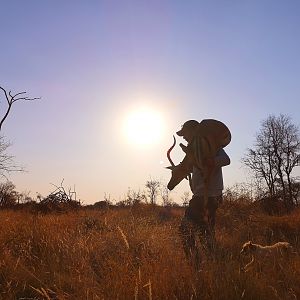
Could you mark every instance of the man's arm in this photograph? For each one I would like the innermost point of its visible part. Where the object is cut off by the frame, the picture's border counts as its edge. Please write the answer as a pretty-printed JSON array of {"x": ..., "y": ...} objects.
[{"x": 222, "y": 159}]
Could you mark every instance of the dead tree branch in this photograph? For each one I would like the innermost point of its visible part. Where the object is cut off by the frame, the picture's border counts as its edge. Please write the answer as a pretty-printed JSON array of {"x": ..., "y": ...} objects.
[{"x": 11, "y": 99}]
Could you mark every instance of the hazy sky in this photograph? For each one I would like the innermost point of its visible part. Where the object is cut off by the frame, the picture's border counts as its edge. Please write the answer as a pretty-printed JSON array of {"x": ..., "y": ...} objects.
[{"x": 94, "y": 63}]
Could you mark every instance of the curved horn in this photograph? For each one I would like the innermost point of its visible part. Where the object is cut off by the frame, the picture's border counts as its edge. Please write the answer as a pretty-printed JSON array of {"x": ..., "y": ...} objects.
[{"x": 169, "y": 152}]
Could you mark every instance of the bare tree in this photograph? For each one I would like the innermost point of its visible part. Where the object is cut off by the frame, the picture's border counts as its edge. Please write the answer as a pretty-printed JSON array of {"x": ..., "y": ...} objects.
[
  {"x": 165, "y": 195},
  {"x": 6, "y": 161},
  {"x": 186, "y": 197},
  {"x": 60, "y": 199},
  {"x": 275, "y": 155},
  {"x": 290, "y": 149},
  {"x": 10, "y": 100},
  {"x": 153, "y": 189},
  {"x": 259, "y": 161},
  {"x": 8, "y": 194},
  {"x": 134, "y": 197}
]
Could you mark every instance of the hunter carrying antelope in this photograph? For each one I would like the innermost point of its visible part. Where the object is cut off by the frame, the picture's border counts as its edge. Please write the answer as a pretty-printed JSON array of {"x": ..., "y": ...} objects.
[{"x": 204, "y": 158}]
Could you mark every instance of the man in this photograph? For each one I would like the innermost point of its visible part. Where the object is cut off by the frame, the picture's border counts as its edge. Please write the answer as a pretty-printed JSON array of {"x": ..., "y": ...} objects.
[{"x": 195, "y": 219}]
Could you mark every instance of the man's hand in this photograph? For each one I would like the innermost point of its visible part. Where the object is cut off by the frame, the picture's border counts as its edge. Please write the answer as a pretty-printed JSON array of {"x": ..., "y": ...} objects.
[{"x": 183, "y": 147}]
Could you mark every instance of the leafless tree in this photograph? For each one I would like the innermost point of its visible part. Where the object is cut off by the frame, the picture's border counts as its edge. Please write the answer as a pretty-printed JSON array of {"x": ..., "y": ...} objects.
[
  {"x": 134, "y": 197},
  {"x": 260, "y": 162},
  {"x": 6, "y": 161},
  {"x": 24, "y": 197},
  {"x": 275, "y": 155},
  {"x": 186, "y": 197},
  {"x": 165, "y": 195},
  {"x": 289, "y": 150},
  {"x": 10, "y": 100},
  {"x": 153, "y": 186},
  {"x": 8, "y": 194},
  {"x": 60, "y": 199}
]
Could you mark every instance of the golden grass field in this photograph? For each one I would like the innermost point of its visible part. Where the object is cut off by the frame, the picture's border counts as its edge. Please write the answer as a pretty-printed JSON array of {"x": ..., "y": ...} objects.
[{"x": 136, "y": 253}]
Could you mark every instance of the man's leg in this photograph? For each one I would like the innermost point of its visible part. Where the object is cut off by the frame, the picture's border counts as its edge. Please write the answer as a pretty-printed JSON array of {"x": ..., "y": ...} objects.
[
  {"x": 192, "y": 222},
  {"x": 202, "y": 215},
  {"x": 187, "y": 233},
  {"x": 212, "y": 205}
]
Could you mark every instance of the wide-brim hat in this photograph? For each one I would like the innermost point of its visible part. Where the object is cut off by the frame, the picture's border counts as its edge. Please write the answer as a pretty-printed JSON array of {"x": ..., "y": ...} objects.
[{"x": 187, "y": 126}]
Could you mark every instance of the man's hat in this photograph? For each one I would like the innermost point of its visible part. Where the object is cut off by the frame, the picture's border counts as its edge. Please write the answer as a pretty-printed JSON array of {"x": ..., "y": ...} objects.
[{"x": 187, "y": 126}]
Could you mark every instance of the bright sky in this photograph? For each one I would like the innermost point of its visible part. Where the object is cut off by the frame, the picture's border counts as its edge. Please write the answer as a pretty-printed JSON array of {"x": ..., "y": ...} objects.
[{"x": 96, "y": 63}]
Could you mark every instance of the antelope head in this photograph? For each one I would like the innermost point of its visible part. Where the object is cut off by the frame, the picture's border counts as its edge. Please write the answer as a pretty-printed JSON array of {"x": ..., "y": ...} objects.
[{"x": 180, "y": 171}]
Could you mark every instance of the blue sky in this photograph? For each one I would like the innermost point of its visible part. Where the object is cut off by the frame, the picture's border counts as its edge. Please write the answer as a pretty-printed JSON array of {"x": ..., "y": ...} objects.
[{"x": 93, "y": 62}]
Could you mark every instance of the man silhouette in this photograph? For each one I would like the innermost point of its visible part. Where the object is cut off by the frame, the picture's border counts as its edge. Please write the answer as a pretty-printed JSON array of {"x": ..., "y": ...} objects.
[{"x": 200, "y": 215}]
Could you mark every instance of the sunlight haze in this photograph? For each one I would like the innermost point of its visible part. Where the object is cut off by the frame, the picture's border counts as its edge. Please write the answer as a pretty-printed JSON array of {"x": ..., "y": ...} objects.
[{"x": 144, "y": 127}]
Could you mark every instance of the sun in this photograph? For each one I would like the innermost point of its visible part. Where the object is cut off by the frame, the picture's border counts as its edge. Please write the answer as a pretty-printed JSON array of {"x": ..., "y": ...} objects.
[{"x": 143, "y": 126}]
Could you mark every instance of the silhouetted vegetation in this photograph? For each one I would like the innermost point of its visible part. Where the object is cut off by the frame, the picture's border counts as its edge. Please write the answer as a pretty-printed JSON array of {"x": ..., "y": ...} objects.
[
  {"x": 7, "y": 164},
  {"x": 273, "y": 158},
  {"x": 10, "y": 100},
  {"x": 152, "y": 187}
]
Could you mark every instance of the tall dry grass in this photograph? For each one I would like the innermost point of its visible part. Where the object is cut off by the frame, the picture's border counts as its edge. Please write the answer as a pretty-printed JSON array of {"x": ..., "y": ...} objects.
[{"x": 137, "y": 254}]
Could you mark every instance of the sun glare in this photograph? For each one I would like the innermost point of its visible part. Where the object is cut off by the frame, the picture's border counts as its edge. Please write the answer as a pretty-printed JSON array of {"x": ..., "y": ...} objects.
[{"x": 143, "y": 127}]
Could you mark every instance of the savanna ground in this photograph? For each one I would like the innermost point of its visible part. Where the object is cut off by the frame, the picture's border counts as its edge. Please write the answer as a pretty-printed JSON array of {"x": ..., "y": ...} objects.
[{"x": 136, "y": 253}]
